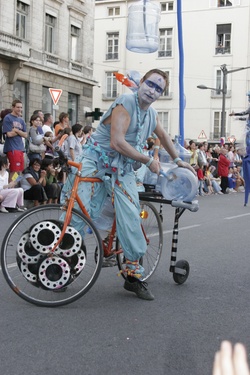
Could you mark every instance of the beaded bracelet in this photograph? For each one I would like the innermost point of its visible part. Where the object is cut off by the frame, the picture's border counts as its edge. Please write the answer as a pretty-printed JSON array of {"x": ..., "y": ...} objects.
[
  {"x": 176, "y": 160},
  {"x": 149, "y": 162}
]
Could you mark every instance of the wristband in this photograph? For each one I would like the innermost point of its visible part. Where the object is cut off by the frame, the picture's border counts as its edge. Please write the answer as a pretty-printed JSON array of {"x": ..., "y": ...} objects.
[
  {"x": 176, "y": 160},
  {"x": 157, "y": 147},
  {"x": 149, "y": 162}
]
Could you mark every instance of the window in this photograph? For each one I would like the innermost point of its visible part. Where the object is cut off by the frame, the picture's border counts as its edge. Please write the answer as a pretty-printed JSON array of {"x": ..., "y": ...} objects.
[
  {"x": 73, "y": 100},
  {"x": 219, "y": 81},
  {"x": 224, "y": 3},
  {"x": 47, "y": 103},
  {"x": 216, "y": 127},
  {"x": 165, "y": 45},
  {"x": 111, "y": 86},
  {"x": 112, "y": 46},
  {"x": 113, "y": 11},
  {"x": 50, "y": 24},
  {"x": 22, "y": 19},
  {"x": 20, "y": 91},
  {"x": 163, "y": 117},
  {"x": 223, "y": 41},
  {"x": 75, "y": 33},
  {"x": 167, "y": 7}
]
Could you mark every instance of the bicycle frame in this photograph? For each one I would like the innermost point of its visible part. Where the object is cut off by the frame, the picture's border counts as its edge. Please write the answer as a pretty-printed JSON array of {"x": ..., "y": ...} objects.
[{"x": 74, "y": 197}]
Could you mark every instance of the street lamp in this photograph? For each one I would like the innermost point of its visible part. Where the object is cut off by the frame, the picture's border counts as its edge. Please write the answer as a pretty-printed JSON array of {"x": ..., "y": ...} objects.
[{"x": 225, "y": 72}]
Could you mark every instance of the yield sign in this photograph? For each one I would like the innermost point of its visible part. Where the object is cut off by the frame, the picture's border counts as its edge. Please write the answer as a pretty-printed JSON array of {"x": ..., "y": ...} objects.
[{"x": 55, "y": 95}]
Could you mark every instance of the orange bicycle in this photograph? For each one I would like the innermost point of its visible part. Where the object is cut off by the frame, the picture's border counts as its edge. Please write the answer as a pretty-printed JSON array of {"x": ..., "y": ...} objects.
[{"x": 47, "y": 262}]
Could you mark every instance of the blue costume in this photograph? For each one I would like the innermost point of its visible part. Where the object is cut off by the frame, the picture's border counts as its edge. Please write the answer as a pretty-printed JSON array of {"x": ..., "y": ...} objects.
[
  {"x": 117, "y": 172},
  {"x": 246, "y": 159}
]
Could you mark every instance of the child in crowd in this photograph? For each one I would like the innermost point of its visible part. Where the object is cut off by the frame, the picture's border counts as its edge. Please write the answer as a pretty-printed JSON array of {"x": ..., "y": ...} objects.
[{"x": 11, "y": 196}]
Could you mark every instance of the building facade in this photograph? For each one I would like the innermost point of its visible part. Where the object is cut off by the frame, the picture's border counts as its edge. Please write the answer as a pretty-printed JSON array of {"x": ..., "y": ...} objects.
[
  {"x": 215, "y": 37},
  {"x": 47, "y": 44}
]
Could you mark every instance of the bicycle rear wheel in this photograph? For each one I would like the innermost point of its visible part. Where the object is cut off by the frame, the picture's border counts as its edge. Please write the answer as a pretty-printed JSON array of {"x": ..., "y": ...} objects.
[
  {"x": 44, "y": 278},
  {"x": 152, "y": 229}
]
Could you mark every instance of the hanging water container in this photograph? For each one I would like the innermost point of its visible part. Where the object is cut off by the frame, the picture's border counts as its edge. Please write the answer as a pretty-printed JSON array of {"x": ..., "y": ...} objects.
[{"x": 142, "y": 32}]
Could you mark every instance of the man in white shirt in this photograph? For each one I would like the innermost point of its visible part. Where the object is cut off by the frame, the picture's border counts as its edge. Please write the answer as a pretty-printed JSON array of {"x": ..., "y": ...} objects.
[{"x": 48, "y": 123}]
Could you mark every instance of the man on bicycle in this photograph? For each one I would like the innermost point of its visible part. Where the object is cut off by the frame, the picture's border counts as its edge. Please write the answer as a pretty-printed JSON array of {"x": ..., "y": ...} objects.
[{"x": 113, "y": 152}]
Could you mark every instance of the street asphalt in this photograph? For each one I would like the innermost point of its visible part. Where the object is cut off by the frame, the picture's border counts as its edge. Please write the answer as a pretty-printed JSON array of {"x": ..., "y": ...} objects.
[{"x": 110, "y": 331}]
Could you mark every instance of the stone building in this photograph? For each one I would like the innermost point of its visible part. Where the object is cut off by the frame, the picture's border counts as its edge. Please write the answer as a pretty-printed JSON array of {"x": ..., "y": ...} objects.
[{"x": 47, "y": 44}]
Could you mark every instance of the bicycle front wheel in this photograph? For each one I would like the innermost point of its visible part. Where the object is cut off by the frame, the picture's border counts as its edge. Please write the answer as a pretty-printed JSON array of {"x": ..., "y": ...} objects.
[
  {"x": 153, "y": 233},
  {"x": 47, "y": 278}
]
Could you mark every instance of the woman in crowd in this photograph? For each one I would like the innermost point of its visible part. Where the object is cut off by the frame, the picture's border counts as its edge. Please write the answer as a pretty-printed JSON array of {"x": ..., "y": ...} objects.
[
  {"x": 63, "y": 122},
  {"x": 33, "y": 183},
  {"x": 12, "y": 197},
  {"x": 37, "y": 141}
]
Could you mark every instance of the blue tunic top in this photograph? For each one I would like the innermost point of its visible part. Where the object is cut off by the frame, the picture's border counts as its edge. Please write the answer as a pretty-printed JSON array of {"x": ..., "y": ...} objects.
[{"x": 98, "y": 147}]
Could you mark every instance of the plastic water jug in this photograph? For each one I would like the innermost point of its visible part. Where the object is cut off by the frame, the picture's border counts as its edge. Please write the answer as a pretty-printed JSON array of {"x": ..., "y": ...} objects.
[
  {"x": 177, "y": 183},
  {"x": 164, "y": 156},
  {"x": 142, "y": 31},
  {"x": 184, "y": 154},
  {"x": 106, "y": 218}
]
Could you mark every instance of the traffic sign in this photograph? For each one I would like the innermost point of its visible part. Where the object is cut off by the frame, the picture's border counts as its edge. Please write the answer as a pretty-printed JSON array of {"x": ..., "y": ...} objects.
[
  {"x": 55, "y": 95},
  {"x": 232, "y": 139},
  {"x": 202, "y": 135}
]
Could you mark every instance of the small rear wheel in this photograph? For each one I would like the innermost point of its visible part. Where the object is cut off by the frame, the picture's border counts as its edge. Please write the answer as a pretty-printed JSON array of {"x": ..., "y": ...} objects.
[
  {"x": 152, "y": 230},
  {"x": 178, "y": 277},
  {"x": 47, "y": 278}
]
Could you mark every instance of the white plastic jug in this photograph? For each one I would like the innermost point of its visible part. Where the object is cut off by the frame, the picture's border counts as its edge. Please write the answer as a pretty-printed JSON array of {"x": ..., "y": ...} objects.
[
  {"x": 142, "y": 31},
  {"x": 177, "y": 183}
]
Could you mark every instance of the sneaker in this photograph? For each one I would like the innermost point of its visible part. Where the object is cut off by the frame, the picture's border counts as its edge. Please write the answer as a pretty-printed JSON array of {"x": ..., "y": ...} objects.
[
  {"x": 139, "y": 288},
  {"x": 3, "y": 209}
]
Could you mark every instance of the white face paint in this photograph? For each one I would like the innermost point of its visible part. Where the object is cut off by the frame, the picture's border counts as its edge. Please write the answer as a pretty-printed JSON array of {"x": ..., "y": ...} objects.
[{"x": 152, "y": 88}]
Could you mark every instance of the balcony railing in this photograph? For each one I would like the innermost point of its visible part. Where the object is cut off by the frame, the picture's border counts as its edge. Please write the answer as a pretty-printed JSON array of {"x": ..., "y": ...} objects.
[
  {"x": 164, "y": 53},
  {"x": 112, "y": 56},
  {"x": 14, "y": 45},
  {"x": 222, "y": 50}
]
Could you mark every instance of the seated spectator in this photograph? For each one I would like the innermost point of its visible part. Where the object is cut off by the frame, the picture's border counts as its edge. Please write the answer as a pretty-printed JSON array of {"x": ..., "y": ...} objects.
[
  {"x": 213, "y": 180},
  {"x": 33, "y": 183},
  {"x": 52, "y": 188},
  {"x": 240, "y": 183},
  {"x": 11, "y": 196},
  {"x": 208, "y": 182},
  {"x": 231, "y": 181}
]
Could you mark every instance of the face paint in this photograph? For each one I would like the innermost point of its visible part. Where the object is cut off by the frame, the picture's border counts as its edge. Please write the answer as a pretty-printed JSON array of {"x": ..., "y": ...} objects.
[{"x": 154, "y": 85}]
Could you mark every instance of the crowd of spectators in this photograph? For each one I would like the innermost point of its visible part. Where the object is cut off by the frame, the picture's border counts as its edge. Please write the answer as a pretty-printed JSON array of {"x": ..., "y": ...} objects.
[
  {"x": 30, "y": 174},
  {"x": 218, "y": 167},
  {"x": 28, "y": 156}
]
